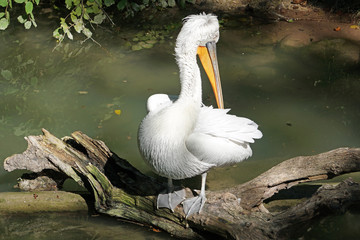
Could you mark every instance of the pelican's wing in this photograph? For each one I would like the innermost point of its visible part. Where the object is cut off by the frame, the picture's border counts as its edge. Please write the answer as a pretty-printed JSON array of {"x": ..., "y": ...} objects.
[
  {"x": 218, "y": 123},
  {"x": 157, "y": 102}
]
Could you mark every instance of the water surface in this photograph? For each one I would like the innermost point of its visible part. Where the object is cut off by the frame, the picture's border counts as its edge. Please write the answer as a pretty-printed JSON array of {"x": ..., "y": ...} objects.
[{"x": 305, "y": 99}]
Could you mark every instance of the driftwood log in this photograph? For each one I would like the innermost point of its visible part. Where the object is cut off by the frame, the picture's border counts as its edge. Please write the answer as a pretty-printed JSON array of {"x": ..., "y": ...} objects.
[{"x": 236, "y": 213}]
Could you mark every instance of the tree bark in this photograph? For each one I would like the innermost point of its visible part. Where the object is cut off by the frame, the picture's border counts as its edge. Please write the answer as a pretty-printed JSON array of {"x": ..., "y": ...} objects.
[{"x": 237, "y": 213}]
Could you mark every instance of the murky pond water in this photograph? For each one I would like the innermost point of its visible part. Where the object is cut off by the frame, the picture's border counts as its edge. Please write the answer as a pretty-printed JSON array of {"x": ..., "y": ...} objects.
[
  {"x": 71, "y": 226},
  {"x": 305, "y": 100}
]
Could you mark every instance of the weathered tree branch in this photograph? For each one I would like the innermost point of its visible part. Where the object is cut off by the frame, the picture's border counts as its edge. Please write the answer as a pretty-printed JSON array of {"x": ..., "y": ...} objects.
[
  {"x": 298, "y": 170},
  {"x": 121, "y": 190},
  {"x": 41, "y": 201}
]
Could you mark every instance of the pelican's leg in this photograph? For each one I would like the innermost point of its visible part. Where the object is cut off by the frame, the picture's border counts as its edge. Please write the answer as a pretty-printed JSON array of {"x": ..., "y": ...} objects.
[
  {"x": 171, "y": 198},
  {"x": 195, "y": 204}
]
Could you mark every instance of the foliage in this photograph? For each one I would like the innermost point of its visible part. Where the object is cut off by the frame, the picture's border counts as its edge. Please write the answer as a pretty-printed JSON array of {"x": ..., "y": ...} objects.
[
  {"x": 83, "y": 15},
  {"x": 28, "y": 21}
]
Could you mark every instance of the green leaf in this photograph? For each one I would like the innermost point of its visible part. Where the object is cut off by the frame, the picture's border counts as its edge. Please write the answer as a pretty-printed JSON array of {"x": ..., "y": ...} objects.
[
  {"x": 86, "y": 16},
  {"x": 171, "y": 3},
  {"x": 163, "y": 3},
  {"x": 69, "y": 35},
  {"x": 64, "y": 26},
  {"x": 68, "y": 3},
  {"x": 3, "y": 3},
  {"x": 2, "y": 14},
  {"x": 27, "y": 24},
  {"x": 98, "y": 19},
  {"x": 29, "y": 7},
  {"x": 78, "y": 11},
  {"x": 121, "y": 5},
  {"x": 6, "y": 74},
  {"x": 108, "y": 3},
  {"x": 135, "y": 6},
  {"x": 96, "y": 9},
  {"x": 4, "y": 23},
  {"x": 79, "y": 25},
  {"x": 73, "y": 17},
  {"x": 56, "y": 33},
  {"x": 37, "y": 2},
  {"x": 87, "y": 32},
  {"x": 19, "y": 1},
  {"x": 89, "y": 10},
  {"x": 21, "y": 19}
]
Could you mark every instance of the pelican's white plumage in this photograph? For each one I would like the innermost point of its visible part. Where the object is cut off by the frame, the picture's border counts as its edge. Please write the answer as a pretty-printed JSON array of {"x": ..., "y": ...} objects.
[{"x": 180, "y": 138}]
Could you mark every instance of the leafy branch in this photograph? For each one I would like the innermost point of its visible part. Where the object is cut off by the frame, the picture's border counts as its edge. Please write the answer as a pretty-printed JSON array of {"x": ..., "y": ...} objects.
[
  {"x": 28, "y": 6},
  {"x": 83, "y": 15}
]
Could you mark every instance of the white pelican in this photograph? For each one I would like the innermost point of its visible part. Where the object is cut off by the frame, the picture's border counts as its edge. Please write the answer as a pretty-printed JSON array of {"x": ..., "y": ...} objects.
[{"x": 180, "y": 137}]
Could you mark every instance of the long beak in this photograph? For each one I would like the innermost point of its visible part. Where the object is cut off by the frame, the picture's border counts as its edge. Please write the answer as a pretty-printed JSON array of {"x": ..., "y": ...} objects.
[{"x": 208, "y": 59}]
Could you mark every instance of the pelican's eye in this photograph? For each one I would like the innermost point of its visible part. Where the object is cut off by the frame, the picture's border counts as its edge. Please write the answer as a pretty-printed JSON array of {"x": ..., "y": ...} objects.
[{"x": 215, "y": 36}]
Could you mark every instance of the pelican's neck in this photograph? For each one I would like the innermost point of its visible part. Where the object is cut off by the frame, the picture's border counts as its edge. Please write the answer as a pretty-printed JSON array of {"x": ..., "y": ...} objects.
[{"x": 190, "y": 78}]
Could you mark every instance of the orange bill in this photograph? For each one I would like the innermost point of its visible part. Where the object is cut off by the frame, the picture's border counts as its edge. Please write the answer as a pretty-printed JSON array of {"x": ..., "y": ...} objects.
[{"x": 208, "y": 58}]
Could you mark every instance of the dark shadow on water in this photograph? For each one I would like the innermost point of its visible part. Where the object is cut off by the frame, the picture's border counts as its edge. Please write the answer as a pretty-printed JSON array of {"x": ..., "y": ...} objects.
[
  {"x": 350, "y": 6},
  {"x": 296, "y": 192}
]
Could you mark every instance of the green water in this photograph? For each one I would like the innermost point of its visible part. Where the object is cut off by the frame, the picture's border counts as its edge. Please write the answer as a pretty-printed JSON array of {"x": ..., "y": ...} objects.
[
  {"x": 72, "y": 226},
  {"x": 305, "y": 100}
]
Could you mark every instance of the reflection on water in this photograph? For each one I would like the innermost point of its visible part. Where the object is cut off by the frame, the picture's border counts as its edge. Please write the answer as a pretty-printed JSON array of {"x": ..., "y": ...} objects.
[
  {"x": 304, "y": 99},
  {"x": 71, "y": 226},
  {"x": 329, "y": 228}
]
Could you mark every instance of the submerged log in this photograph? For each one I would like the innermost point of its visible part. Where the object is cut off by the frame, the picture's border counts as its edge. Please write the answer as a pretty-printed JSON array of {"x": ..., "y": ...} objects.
[
  {"x": 41, "y": 201},
  {"x": 237, "y": 213}
]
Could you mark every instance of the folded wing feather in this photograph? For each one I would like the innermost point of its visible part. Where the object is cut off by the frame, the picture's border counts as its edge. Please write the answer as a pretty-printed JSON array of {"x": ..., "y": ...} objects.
[{"x": 218, "y": 123}]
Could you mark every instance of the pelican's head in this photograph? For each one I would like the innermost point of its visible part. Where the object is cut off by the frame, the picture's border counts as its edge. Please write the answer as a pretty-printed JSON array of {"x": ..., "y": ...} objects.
[
  {"x": 199, "y": 35},
  {"x": 199, "y": 29}
]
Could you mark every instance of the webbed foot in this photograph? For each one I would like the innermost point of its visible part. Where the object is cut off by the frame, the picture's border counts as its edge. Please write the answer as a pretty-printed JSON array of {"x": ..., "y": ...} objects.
[
  {"x": 171, "y": 198},
  {"x": 194, "y": 205}
]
